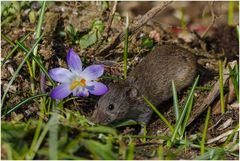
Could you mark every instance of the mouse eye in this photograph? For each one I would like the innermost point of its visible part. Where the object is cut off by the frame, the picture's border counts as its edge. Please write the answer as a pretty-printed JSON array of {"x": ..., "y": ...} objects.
[{"x": 111, "y": 107}]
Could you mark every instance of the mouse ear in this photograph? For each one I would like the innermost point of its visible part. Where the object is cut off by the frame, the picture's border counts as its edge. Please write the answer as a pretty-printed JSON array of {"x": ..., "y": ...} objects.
[{"x": 132, "y": 92}]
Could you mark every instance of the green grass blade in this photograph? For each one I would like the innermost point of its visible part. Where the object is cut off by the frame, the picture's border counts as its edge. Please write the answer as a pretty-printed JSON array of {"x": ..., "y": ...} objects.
[
  {"x": 236, "y": 87},
  {"x": 53, "y": 135},
  {"x": 15, "y": 47},
  {"x": 99, "y": 150},
  {"x": 221, "y": 86},
  {"x": 234, "y": 74},
  {"x": 35, "y": 138},
  {"x": 125, "y": 54},
  {"x": 232, "y": 134},
  {"x": 36, "y": 146},
  {"x": 61, "y": 155},
  {"x": 102, "y": 129},
  {"x": 183, "y": 20},
  {"x": 23, "y": 102},
  {"x": 73, "y": 145},
  {"x": 17, "y": 71},
  {"x": 38, "y": 33},
  {"x": 6, "y": 38},
  {"x": 38, "y": 63},
  {"x": 212, "y": 154},
  {"x": 130, "y": 153},
  {"x": 126, "y": 123},
  {"x": 230, "y": 12},
  {"x": 160, "y": 153},
  {"x": 158, "y": 113},
  {"x": 205, "y": 131},
  {"x": 144, "y": 132},
  {"x": 176, "y": 104},
  {"x": 184, "y": 111},
  {"x": 186, "y": 118},
  {"x": 175, "y": 101}
]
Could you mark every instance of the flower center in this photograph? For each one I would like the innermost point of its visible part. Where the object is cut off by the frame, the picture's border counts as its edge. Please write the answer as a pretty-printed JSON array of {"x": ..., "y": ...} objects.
[{"x": 76, "y": 83}]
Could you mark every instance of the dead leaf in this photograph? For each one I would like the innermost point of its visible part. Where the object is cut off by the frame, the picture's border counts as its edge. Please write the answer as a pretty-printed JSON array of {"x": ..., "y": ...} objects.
[
  {"x": 231, "y": 93},
  {"x": 225, "y": 124},
  {"x": 217, "y": 107}
]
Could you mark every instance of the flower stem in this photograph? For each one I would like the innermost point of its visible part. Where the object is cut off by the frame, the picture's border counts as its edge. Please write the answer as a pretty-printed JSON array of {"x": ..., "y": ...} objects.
[{"x": 38, "y": 33}]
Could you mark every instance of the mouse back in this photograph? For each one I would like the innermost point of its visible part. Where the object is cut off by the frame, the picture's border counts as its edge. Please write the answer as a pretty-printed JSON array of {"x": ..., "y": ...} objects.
[
  {"x": 151, "y": 78},
  {"x": 154, "y": 74}
]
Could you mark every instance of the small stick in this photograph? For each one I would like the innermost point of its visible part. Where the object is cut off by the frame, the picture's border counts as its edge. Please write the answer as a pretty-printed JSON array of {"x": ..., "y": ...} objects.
[
  {"x": 109, "y": 23},
  {"x": 212, "y": 22},
  {"x": 107, "y": 29},
  {"x": 136, "y": 26}
]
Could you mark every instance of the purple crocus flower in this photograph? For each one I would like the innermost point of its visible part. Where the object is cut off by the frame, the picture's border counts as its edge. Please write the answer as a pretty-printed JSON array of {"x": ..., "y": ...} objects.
[{"x": 78, "y": 81}]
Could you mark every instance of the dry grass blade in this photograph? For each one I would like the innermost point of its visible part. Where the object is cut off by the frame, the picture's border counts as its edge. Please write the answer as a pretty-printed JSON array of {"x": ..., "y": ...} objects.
[
  {"x": 212, "y": 21},
  {"x": 109, "y": 23},
  {"x": 218, "y": 138}
]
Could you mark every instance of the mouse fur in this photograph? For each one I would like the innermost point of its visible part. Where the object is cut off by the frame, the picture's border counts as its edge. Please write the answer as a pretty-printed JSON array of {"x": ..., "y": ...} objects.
[{"x": 150, "y": 78}]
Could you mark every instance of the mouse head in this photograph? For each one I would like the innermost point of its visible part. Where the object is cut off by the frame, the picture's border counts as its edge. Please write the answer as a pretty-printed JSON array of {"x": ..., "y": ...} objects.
[{"x": 115, "y": 104}]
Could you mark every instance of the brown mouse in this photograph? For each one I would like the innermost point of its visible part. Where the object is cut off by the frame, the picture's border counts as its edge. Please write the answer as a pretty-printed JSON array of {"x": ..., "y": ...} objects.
[{"x": 151, "y": 78}]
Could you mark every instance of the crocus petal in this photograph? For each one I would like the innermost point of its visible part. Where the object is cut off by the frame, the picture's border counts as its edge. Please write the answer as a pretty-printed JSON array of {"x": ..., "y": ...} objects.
[
  {"x": 60, "y": 75},
  {"x": 83, "y": 92},
  {"x": 61, "y": 91},
  {"x": 99, "y": 88},
  {"x": 92, "y": 72},
  {"x": 74, "y": 62}
]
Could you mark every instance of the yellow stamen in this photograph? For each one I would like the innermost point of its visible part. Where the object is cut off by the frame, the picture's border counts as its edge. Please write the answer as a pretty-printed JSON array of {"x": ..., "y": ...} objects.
[{"x": 76, "y": 83}]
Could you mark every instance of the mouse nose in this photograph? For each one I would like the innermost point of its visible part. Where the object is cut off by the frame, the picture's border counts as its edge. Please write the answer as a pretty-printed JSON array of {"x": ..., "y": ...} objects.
[
  {"x": 96, "y": 118},
  {"x": 99, "y": 117}
]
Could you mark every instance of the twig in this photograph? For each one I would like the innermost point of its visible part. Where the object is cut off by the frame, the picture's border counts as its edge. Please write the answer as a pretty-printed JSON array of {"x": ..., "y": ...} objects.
[
  {"x": 136, "y": 26},
  {"x": 109, "y": 24},
  {"x": 212, "y": 22},
  {"x": 213, "y": 94}
]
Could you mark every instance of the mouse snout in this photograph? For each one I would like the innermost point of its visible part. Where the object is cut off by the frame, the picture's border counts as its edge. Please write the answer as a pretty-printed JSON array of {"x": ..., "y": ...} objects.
[{"x": 99, "y": 117}]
